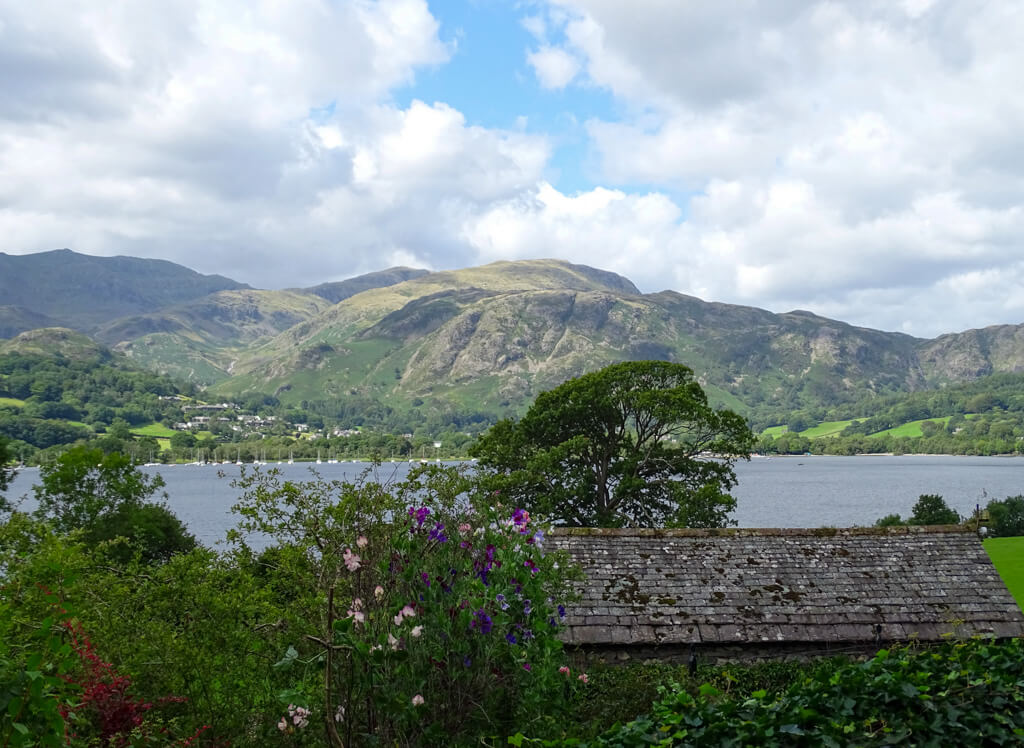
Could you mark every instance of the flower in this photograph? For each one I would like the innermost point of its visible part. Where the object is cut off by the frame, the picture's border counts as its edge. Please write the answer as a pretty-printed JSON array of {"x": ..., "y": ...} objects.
[
  {"x": 500, "y": 599},
  {"x": 583, "y": 677},
  {"x": 339, "y": 714},
  {"x": 361, "y": 541},
  {"x": 426, "y": 578},
  {"x": 561, "y": 611},
  {"x": 527, "y": 607},
  {"x": 299, "y": 715},
  {"x": 481, "y": 620},
  {"x": 416, "y": 631},
  {"x": 282, "y": 725},
  {"x": 526, "y": 667},
  {"x": 465, "y": 527},
  {"x": 408, "y": 611},
  {"x": 378, "y": 592},
  {"x": 438, "y": 533},
  {"x": 564, "y": 670},
  {"x": 510, "y": 638},
  {"x": 528, "y": 563},
  {"x": 393, "y": 642},
  {"x": 356, "y": 614},
  {"x": 417, "y": 700},
  {"x": 351, "y": 560}
]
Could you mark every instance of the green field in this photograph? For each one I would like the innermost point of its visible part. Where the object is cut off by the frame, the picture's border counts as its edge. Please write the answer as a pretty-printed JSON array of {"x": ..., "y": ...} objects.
[
  {"x": 826, "y": 428},
  {"x": 1008, "y": 556},
  {"x": 12, "y": 401},
  {"x": 154, "y": 429}
]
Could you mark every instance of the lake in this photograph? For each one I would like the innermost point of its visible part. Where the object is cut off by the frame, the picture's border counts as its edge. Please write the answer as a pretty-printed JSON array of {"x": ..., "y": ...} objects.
[{"x": 772, "y": 492}]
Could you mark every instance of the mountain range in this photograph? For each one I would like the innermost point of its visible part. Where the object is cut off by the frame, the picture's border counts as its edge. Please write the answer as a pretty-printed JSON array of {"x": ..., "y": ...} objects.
[{"x": 483, "y": 339}]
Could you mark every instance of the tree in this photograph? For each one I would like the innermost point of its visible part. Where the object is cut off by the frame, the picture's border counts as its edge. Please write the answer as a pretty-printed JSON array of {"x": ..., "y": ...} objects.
[
  {"x": 632, "y": 444},
  {"x": 108, "y": 496},
  {"x": 1006, "y": 517},
  {"x": 6, "y": 473},
  {"x": 931, "y": 509}
]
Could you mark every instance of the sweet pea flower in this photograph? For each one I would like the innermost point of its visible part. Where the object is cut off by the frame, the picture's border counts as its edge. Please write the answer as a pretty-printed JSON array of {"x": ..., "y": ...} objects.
[
  {"x": 339, "y": 715},
  {"x": 393, "y": 642},
  {"x": 282, "y": 725},
  {"x": 361, "y": 541},
  {"x": 378, "y": 592},
  {"x": 416, "y": 631},
  {"x": 351, "y": 560},
  {"x": 564, "y": 670},
  {"x": 583, "y": 677},
  {"x": 408, "y": 611},
  {"x": 417, "y": 700}
]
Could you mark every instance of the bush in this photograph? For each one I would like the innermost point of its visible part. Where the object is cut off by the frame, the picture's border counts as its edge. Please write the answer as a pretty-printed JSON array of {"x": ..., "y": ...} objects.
[
  {"x": 433, "y": 613},
  {"x": 1006, "y": 517},
  {"x": 958, "y": 693},
  {"x": 150, "y": 531},
  {"x": 931, "y": 509}
]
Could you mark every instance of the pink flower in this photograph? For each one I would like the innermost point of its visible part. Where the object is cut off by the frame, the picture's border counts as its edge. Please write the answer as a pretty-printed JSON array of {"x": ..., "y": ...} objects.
[
  {"x": 398, "y": 618},
  {"x": 358, "y": 615},
  {"x": 564, "y": 670},
  {"x": 352, "y": 561},
  {"x": 361, "y": 541},
  {"x": 416, "y": 631},
  {"x": 393, "y": 642},
  {"x": 408, "y": 611},
  {"x": 378, "y": 592},
  {"x": 465, "y": 527},
  {"x": 357, "y": 604},
  {"x": 583, "y": 677},
  {"x": 417, "y": 700},
  {"x": 282, "y": 725},
  {"x": 526, "y": 666}
]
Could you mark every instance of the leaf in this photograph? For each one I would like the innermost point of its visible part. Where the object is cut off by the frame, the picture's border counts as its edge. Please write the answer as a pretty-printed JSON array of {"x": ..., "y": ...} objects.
[{"x": 290, "y": 656}]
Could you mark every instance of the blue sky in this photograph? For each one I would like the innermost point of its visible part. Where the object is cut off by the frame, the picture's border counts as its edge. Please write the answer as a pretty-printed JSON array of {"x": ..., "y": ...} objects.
[{"x": 861, "y": 160}]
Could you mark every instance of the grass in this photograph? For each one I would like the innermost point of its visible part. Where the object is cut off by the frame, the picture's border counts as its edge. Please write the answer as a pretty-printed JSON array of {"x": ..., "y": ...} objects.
[
  {"x": 826, "y": 428},
  {"x": 154, "y": 429},
  {"x": 12, "y": 401},
  {"x": 1007, "y": 555}
]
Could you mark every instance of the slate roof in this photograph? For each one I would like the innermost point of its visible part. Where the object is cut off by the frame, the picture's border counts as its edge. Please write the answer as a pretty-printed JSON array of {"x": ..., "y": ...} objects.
[{"x": 654, "y": 587}]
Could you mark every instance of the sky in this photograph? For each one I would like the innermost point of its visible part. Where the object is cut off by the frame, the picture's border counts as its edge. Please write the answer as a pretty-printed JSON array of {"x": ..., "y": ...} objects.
[{"x": 860, "y": 159}]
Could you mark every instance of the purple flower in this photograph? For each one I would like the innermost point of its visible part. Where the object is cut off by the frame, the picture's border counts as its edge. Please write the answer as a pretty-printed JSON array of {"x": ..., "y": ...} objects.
[
  {"x": 481, "y": 621},
  {"x": 552, "y": 622},
  {"x": 528, "y": 563},
  {"x": 500, "y": 599},
  {"x": 527, "y": 607},
  {"x": 438, "y": 534},
  {"x": 466, "y": 662},
  {"x": 426, "y": 578},
  {"x": 510, "y": 638},
  {"x": 561, "y": 611},
  {"x": 526, "y": 666}
]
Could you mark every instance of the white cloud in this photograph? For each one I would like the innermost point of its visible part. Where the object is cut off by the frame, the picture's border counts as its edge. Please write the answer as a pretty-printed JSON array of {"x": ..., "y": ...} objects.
[
  {"x": 825, "y": 152},
  {"x": 554, "y": 67}
]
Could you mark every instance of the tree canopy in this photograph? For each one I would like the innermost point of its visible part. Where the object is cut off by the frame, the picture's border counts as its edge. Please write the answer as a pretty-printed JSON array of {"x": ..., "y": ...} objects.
[{"x": 634, "y": 444}]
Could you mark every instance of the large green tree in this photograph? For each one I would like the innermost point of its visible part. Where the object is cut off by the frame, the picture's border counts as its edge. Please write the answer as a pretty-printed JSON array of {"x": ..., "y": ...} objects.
[
  {"x": 106, "y": 495},
  {"x": 634, "y": 444}
]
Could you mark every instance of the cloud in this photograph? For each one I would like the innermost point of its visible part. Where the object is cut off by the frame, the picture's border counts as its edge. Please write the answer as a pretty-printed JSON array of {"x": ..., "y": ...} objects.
[
  {"x": 859, "y": 159},
  {"x": 822, "y": 153},
  {"x": 554, "y": 67}
]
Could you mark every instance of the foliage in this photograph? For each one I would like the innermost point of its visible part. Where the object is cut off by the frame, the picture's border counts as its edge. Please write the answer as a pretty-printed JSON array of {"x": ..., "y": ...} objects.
[
  {"x": 930, "y": 509},
  {"x": 1006, "y": 517},
  {"x": 626, "y": 445},
  {"x": 151, "y": 531},
  {"x": 450, "y": 609},
  {"x": 959, "y": 693}
]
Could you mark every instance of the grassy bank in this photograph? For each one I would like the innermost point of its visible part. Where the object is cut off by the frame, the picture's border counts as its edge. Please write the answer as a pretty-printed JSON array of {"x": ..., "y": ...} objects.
[{"x": 1008, "y": 556}]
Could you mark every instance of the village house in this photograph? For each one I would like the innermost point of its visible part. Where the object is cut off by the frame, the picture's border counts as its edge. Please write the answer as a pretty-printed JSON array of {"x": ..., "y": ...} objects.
[{"x": 745, "y": 594}]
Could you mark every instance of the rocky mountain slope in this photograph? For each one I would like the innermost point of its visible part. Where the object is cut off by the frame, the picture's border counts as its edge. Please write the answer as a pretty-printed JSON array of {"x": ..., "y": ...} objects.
[{"x": 489, "y": 339}]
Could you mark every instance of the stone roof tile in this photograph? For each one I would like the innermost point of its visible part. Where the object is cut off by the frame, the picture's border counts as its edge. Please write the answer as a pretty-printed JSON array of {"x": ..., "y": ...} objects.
[{"x": 647, "y": 586}]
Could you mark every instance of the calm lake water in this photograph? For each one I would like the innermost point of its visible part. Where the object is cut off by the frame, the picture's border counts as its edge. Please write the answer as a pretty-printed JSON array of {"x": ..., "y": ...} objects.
[{"x": 772, "y": 492}]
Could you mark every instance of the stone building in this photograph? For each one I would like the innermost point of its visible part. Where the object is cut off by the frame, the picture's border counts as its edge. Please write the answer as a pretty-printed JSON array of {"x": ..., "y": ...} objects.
[{"x": 754, "y": 594}]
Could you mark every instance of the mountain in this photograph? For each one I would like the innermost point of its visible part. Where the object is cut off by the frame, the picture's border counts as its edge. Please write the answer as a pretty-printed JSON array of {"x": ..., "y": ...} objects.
[
  {"x": 341, "y": 290},
  {"x": 15, "y": 319},
  {"x": 484, "y": 341},
  {"x": 491, "y": 338},
  {"x": 56, "y": 341},
  {"x": 82, "y": 291}
]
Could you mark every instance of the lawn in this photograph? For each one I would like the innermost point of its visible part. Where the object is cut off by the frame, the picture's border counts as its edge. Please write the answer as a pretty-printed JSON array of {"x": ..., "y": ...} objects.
[
  {"x": 12, "y": 401},
  {"x": 826, "y": 428},
  {"x": 154, "y": 429},
  {"x": 1008, "y": 556}
]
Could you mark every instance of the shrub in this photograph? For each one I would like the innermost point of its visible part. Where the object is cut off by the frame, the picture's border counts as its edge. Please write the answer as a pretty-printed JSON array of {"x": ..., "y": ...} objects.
[
  {"x": 1006, "y": 517},
  {"x": 435, "y": 615}
]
